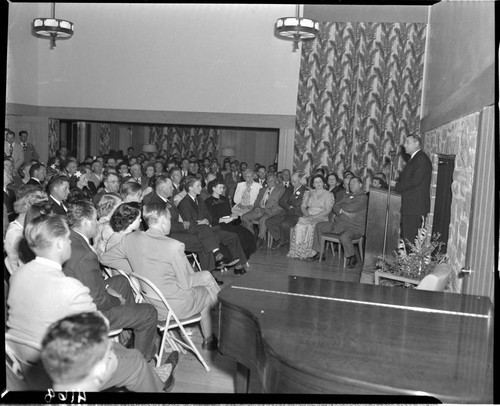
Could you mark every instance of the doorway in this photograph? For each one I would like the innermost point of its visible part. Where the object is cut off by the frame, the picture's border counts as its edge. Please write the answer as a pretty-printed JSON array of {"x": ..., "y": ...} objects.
[
  {"x": 442, "y": 207},
  {"x": 75, "y": 136}
]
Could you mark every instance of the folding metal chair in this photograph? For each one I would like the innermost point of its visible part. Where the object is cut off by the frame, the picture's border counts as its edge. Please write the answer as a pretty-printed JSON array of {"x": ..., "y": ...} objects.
[
  {"x": 191, "y": 256},
  {"x": 150, "y": 292},
  {"x": 134, "y": 284}
]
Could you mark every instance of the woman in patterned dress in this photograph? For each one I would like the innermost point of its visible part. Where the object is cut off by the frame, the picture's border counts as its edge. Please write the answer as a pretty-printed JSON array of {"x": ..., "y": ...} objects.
[{"x": 316, "y": 206}]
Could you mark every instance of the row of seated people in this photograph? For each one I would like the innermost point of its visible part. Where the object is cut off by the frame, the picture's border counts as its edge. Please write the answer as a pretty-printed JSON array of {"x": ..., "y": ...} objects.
[
  {"x": 62, "y": 265},
  {"x": 253, "y": 201}
]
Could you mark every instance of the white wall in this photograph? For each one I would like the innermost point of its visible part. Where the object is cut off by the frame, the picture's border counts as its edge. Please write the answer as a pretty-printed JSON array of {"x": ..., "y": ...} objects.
[{"x": 160, "y": 57}]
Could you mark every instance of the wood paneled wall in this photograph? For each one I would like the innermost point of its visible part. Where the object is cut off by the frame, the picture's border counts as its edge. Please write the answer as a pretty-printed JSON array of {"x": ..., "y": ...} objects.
[{"x": 251, "y": 146}]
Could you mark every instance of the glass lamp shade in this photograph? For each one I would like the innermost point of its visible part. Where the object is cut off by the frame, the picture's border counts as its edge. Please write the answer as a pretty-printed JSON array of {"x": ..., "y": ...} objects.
[
  {"x": 297, "y": 28},
  {"x": 50, "y": 27}
]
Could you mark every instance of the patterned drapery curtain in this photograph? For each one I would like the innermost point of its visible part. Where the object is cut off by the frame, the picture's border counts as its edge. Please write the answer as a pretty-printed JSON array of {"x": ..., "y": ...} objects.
[
  {"x": 359, "y": 96},
  {"x": 185, "y": 141},
  {"x": 104, "y": 138},
  {"x": 54, "y": 137}
]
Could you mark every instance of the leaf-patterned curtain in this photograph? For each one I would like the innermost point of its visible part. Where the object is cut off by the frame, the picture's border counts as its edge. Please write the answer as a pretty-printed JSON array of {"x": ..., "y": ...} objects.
[
  {"x": 104, "y": 138},
  {"x": 54, "y": 137},
  {"x": 185, "y": 141},
  {"x": 359, "y": 95}
]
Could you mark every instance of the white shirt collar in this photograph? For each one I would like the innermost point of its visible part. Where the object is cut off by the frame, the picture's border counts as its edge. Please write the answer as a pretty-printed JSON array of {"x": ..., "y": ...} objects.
[
  {"x": 48, "y": 262},
  {"x": 412, "y": 155},
  {"x": 57, "y": 201}
]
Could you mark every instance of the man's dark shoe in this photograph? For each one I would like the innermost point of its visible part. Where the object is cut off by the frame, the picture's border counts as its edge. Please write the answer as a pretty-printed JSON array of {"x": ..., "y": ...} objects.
[
  {"x": 221, "y": 260},
  {"x": 169, "y": 384},
  {"x": 173, "y": 359},
  {"x": 313, "y": 258},
  {"x": 240, "y": 271},
  {"x": 352, "y": 262},
  {"x": 210, "y": 344}
]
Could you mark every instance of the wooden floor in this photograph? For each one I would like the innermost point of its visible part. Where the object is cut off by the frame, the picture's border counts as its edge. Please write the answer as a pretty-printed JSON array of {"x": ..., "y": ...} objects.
[{"x": 190, "y": 375}]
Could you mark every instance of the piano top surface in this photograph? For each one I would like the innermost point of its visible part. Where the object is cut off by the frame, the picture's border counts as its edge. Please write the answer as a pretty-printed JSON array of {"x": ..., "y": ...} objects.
[{"x": 403, "y": 340}]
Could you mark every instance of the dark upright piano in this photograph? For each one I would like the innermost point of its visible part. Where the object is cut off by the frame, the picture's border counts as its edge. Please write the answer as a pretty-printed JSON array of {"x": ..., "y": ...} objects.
[{"x": 309, "y": 335}]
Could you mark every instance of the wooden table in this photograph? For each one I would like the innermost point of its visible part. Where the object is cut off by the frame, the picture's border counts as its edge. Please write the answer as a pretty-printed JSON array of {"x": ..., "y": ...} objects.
[{"x": 309, "y": 335}]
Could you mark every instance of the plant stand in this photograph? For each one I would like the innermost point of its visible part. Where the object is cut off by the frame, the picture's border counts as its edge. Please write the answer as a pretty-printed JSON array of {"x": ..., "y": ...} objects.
[{"x": 386, "y": 275}]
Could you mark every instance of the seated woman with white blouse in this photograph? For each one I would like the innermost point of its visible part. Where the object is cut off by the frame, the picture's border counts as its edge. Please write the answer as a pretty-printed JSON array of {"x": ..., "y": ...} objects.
[{"x": 246, "y": 193}]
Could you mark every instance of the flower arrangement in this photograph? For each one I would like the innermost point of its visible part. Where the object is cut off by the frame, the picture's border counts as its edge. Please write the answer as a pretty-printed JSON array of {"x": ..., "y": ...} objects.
[{"x": 423, "y": 257}]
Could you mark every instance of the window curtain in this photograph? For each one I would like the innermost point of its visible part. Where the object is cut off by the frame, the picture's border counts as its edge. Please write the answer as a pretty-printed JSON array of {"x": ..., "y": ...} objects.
[
  {"x": 54, "y": 136},
  {"x": 185, "y": 141},
  {"x": 104, "y": 138},
  {"x": 359, "y": 96}
]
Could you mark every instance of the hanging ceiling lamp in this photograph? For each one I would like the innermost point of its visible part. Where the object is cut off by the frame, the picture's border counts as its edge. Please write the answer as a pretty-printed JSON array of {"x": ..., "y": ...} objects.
[
  {"x": 297, "y": 28},
  {"x": 52, "y": 28}
]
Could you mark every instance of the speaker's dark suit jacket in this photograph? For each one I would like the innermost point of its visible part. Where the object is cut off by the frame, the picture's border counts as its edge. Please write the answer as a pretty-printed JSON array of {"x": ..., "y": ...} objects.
[{"x": 414, "y": 185}]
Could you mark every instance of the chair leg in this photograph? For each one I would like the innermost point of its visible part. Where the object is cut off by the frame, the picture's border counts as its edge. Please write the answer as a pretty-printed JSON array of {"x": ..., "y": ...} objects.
[
  {"x": 193, "y": 348},
  {"x": 322, "y": 247},
  {"x": 162, "y": 348},
  {"x": 269, "y": 240}
]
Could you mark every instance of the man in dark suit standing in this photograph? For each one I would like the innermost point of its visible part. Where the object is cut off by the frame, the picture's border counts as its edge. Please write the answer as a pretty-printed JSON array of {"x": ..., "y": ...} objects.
[
  {"x": 414, "y": 185},
  {"x": 280, "y": 224}
]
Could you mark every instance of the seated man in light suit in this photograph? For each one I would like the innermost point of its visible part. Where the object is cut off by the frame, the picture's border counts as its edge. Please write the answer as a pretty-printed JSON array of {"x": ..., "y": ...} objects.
[
  {"x": 266, "y": 205},
  {"x": 40, "y": 294},
  {"x": 349, "y": 221},
  {"x": 161, "y": 259}
]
